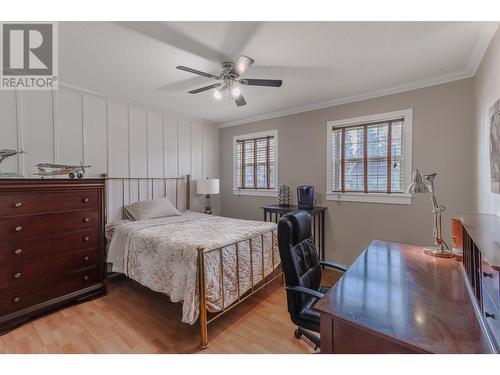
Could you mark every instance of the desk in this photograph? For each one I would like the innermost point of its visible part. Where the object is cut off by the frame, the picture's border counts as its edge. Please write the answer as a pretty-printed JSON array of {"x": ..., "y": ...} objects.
[
  {"x": 274, "y": 212},
  {"x": 395, "y": 299}
]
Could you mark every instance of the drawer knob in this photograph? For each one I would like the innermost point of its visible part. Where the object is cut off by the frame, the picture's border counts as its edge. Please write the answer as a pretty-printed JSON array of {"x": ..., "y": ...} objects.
[
  {"x": 86, "y": 258},
  {"x": 488, "y": 315},
  {"x": 86, "y": 220},
  {"x": 86, "y": 238},
  {"x": 17, "y": 275},
  {"x": 18, "y": 204},
  {"x": 18, "y": 228},
  {"x": 85, "y": 277},
  {"x": 487, "y": 274},
  {"x": 18, "y": 251},
  {"x": 85, "y": 200},
  {"x": 16, "y": 299}
]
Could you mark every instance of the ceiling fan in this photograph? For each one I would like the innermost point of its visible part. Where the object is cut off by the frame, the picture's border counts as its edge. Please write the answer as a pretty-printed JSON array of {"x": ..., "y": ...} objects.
[{"x": 230, "y": 77}]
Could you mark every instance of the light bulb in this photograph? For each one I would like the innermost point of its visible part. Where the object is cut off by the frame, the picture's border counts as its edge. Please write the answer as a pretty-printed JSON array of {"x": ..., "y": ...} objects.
[
  {"x": 217, "y": 94},
  {"x": 235, "y": 91}
]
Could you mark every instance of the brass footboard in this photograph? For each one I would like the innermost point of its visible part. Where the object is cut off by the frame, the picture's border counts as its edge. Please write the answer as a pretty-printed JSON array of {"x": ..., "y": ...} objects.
[{"x": 256, "y": 285}]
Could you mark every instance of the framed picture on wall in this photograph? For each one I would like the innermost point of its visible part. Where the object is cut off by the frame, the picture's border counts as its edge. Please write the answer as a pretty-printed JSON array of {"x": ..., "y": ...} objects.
[{"x": 494, "y": 120}]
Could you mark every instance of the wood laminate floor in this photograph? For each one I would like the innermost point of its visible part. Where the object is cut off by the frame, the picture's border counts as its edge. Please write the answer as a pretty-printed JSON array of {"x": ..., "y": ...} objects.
[{"x": 133, "y": 319}]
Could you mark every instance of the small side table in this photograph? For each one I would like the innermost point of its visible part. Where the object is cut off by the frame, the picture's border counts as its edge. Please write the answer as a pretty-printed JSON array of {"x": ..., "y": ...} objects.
[{"x": 274, "y": 212}]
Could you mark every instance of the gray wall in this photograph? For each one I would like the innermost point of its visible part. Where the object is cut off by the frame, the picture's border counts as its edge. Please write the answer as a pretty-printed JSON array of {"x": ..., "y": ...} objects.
[
  {"x": 442, "y": 131},
  {"x": 486, "y": 93}
]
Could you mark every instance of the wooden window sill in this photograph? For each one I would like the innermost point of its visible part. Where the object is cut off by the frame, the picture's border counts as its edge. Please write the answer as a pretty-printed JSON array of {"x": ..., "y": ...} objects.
[
  {"x": 256, "y": 192},
  {"x": 394, "y": 198}
]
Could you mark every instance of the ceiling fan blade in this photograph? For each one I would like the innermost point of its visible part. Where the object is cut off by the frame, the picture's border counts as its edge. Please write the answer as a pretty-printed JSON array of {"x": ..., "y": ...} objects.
[
  {"x": 262, "y": 82},
  {"x": 240, "y": 101},
  {"x": 194, "y": 71},
  {"x": 201, "y": 89},
  {"x": 242, "y": 64}
]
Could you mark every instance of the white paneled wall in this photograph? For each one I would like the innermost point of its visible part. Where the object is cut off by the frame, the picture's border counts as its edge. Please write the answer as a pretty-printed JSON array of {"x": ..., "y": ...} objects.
[
  {"x": 183, "y": 147},
  {"x": 69, "y": 127},
  {"x": 95, "y": 120},
  {"x": 118, "y": 140},
  {"x": 38, "y": 128},
  {"x": 196, "y": 150},
  {"x": 155, "y": 144},
  {"x": 8, "y": 134},
  {"x": 170, "y": 150},
  {"x": 138, "y": 142},
  {"x": 115, "y": 137}
]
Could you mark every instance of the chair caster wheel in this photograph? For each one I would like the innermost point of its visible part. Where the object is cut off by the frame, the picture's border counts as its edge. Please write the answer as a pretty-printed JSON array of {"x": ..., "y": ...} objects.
[{"x": 297, "y": 334}]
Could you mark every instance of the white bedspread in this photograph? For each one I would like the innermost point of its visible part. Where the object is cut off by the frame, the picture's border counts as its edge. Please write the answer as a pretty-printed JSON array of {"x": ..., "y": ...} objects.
[{"x": 161, "y": 254}]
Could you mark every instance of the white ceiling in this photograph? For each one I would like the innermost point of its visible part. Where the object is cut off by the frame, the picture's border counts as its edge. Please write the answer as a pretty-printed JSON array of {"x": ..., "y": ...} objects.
[{"x": 320, "y": 63}]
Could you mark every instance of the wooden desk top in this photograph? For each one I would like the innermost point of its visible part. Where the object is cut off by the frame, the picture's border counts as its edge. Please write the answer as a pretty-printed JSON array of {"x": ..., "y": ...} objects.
[{"x": 397, "y": 292}]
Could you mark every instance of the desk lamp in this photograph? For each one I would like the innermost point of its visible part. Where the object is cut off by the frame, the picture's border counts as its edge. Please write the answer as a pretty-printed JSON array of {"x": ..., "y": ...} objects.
[{"x": 425, "y": 184}]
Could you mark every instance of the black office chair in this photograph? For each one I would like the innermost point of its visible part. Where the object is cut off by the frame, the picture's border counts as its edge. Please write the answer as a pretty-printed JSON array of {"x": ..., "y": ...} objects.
[{"x": 302, "y": 269}]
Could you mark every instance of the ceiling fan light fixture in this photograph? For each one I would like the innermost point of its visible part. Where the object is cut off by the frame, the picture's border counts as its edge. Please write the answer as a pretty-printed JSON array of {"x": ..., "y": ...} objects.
[
  {"x": 231, "y": 82},
  {"x": 235, "y": 91},
  {"x": 217, "y": 94}
]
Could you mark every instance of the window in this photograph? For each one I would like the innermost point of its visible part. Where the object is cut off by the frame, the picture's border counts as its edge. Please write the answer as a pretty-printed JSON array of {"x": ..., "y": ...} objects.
[
  {"x": 255, "y": 163},
  {"x": 369, "y": 158}
]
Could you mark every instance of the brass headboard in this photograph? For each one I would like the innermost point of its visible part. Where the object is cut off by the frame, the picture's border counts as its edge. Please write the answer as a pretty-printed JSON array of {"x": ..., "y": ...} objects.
[{"x": 122, "y": 191}]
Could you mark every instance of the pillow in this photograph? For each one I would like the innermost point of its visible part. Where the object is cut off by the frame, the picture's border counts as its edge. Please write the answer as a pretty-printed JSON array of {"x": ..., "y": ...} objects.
[{"x": 151, "y": 209}]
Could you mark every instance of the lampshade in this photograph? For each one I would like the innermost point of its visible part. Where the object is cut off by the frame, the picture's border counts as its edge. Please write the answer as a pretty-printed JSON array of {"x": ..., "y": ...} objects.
[
  {"x": 208, "y": 186},
  {"x": 418, "y": 185}
]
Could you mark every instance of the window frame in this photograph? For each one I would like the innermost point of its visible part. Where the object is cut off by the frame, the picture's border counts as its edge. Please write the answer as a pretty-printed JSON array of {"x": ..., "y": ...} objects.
[
  {"x": 372, "y": 197},
  {"x": 257, "y": 192}
]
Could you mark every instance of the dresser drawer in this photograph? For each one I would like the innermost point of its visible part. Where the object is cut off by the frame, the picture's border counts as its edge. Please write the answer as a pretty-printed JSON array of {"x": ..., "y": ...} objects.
[
  {"x": 19, "y": 298},
  {"x": 36, "y": 271},
  {"x": 15, "y": 251},
  {"x": 491, "y": 314},
  {"x": 74, "y": 281},
  {"x": 491, "y": 282},
  {"x": 41, "y": 225},
  {"x": 23, "y": 203}
]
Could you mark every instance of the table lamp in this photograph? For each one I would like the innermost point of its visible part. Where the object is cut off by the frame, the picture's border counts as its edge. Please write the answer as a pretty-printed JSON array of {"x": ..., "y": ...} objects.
[
  {"x": 207, "y": 187},
  {"x": 425, "y": 184}
]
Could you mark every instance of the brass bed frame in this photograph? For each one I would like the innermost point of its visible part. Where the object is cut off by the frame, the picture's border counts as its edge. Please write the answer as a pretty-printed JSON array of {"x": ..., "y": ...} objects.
[{"x": 256, "y": 285}]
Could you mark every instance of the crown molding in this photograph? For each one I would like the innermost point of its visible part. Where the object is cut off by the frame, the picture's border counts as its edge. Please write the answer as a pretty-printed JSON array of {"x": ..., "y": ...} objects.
[
  {"x": 482, "y": 43},
  {"x": 355, "y": 98}
]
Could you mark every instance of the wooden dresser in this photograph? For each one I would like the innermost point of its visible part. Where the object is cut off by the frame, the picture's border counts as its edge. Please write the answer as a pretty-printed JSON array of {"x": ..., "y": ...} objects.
[
  {"x": 480, "y": 243},
  {"x": 51, "y": 245}
]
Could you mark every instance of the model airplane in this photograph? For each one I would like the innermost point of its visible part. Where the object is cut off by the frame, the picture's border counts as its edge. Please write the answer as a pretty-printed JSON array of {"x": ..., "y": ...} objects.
[
  {"x": 6, "y": 153},
  {"x": 48, "y": 169}
]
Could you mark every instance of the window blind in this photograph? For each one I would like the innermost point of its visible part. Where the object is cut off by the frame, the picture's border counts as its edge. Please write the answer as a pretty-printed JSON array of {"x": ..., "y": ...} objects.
[
  {"x": 368, "y": 157},
  {"x": 254, "y": 158}
]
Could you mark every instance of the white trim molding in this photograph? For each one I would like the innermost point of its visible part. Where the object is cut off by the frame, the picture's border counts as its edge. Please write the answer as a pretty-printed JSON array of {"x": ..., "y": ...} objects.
[
  {"x": 355, "y": 98},
  {"x": 393, "y": 198},
  {"x": 255, "y": 192}
]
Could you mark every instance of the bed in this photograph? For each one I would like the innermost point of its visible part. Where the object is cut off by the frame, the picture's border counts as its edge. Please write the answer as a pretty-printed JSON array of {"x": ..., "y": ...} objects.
[{"x": 208, "y": 263}]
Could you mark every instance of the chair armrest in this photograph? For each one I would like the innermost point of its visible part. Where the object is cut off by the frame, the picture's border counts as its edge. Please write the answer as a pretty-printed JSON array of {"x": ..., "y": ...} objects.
[
  {"x": 301, "y": 289},
  {"x": 336, "y": 266}
]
